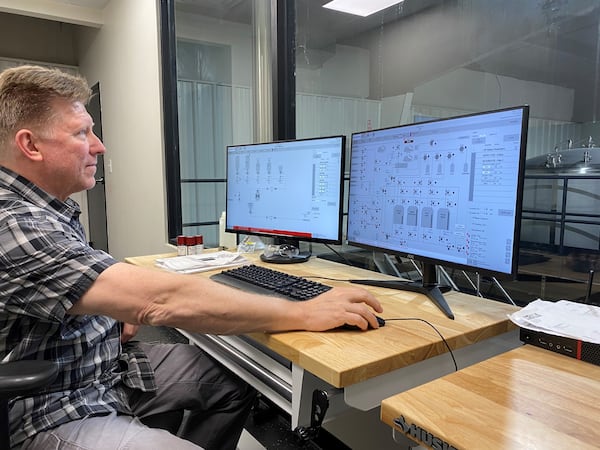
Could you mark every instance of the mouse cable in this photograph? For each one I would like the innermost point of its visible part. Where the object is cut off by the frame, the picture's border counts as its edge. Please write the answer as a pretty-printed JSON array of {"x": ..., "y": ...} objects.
[
  {"x": 434, "y": 329},
  {"x": 403, "y": 318},
  {"x": 318, "y": 277}
]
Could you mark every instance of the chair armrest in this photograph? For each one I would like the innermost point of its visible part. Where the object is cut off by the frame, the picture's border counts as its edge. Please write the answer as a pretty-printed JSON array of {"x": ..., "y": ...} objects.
[{"x": 22, "y": 377}]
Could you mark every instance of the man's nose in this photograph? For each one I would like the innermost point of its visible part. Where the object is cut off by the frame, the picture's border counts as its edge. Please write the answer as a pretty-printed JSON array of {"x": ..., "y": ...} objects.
[{"x": 96, "y": 145}]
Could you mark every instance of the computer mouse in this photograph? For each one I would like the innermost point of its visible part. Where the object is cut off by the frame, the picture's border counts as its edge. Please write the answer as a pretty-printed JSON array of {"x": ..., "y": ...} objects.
[{"x": 380, "y": 321}]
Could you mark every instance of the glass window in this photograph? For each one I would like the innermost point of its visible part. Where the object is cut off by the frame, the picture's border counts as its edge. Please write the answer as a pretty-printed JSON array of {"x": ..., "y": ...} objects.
[
  {"x": 414, "y": 61},
  {"x": 424, "y": 59},
  {"x": 216, "y": 47}
]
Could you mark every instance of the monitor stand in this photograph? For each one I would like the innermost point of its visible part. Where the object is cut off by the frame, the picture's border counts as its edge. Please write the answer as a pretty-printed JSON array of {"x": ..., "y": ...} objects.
[
  {"x": 291, "y": 253},
  {"x": 428, "y": 287},
  {"x": 279, "y": 259}
]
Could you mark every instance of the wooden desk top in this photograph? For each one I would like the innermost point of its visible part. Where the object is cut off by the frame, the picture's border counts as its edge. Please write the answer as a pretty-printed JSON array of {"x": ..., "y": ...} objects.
[
  {"x": 527, "y": 398},
  {"x": 343, "y": 358}
]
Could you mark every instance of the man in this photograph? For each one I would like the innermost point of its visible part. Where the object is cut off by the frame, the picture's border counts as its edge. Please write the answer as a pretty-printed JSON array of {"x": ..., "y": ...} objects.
[{"x": 62, "y": 300}]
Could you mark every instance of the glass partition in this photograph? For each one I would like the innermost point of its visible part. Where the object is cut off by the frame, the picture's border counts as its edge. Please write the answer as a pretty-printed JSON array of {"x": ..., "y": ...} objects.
[
  {"x": 220, "y": 66},
  {"x": 414, "y": 61},
  {"x": 425, "y": 59}
]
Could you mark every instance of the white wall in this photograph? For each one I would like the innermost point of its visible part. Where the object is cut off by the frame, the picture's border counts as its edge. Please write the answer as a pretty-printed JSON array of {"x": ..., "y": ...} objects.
[
  {"x": 344, "y": 72},
  {"x": 471, "y": 91},
  {"x": 396, "y": 110},
  {"x": 236, "y": 35},
  {"x": 123, "y": 55}
]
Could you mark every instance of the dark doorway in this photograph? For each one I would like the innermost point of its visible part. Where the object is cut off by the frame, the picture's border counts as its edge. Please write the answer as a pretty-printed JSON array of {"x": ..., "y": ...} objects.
[{"x": 96, "y": 197}]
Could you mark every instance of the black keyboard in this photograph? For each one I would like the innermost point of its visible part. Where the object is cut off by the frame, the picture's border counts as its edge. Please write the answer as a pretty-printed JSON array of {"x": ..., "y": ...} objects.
[{"x": 263, "y": 280}]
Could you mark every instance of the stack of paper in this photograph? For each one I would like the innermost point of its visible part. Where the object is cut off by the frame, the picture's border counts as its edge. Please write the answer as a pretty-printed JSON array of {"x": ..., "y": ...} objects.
[
  {"x": 201, "y": 262},
  {"x": 562, "y": 318}
]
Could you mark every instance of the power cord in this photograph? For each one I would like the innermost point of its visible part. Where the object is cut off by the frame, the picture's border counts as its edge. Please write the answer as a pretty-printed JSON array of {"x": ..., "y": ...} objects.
[{"x": 341, "y": 255}]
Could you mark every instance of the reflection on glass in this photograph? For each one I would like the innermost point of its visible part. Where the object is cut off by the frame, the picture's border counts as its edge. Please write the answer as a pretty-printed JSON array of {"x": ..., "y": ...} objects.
[
  {"x": 215, "y": 83},
  {"x": 423, "y": 59}
]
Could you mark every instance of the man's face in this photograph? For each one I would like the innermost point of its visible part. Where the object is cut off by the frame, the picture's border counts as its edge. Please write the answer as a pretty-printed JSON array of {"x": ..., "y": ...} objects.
[{"x": 69, "y": 150}]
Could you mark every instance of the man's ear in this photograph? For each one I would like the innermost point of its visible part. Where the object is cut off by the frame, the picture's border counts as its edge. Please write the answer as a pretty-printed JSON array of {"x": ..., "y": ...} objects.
[{"x": 26, "y": 143}]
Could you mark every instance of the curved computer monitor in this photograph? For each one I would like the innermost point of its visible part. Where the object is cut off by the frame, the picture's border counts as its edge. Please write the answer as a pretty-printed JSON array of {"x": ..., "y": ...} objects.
[
  {"x": 445, "y": 192},
  {"x": 291, "y": 191}
]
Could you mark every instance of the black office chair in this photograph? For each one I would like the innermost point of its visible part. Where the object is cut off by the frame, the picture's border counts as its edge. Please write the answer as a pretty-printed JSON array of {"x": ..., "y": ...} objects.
[{"x": 21, "y": 378}]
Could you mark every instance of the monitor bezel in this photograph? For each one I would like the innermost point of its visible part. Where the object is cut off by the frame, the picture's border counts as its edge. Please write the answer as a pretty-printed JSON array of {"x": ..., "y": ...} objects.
[
  {"x": 291, "y": 238},
  {"x": 518, "y": 201}
]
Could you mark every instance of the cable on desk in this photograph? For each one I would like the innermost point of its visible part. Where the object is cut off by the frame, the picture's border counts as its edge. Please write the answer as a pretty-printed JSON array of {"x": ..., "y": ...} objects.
[
  {"x": 405, "y": 318},
  {"x": 434, "y": 329},
  {"x": 317, "y": 277}
]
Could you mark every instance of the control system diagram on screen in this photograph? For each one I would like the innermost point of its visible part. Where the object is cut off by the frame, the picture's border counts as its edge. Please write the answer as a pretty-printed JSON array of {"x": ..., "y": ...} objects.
[
  {"x": 290, "y": 188},
  {"x": 445, "y": 190}
]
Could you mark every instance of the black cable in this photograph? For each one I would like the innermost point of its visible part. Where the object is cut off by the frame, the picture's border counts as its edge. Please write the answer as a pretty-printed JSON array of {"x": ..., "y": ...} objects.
[
  {"x": 436, "y": 330},
  {"x": 405, "y": 318},
  {"x": 325, "y": 278},
  {"x": 346, "y": 260}
]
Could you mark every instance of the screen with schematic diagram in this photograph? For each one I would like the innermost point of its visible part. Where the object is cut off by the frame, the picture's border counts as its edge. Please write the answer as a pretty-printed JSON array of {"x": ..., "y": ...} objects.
[
  {"x": 289, "y": 190},
  {"x": 445, "y": 192}
]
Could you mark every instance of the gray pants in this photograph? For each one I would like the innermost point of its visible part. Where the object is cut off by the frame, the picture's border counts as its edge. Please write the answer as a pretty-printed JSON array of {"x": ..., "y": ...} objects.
[{"x": 218, "y": 404}]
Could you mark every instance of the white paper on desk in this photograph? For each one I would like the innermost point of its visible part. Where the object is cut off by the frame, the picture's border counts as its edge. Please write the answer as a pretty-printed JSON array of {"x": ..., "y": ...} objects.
[
  {"x": 201, "y": 262},
  {"x": 562, "y": 318}
]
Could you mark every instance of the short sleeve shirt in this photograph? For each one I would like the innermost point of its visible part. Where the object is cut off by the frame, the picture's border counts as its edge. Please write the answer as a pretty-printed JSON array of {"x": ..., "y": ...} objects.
[{"x": 46, "y": 265}]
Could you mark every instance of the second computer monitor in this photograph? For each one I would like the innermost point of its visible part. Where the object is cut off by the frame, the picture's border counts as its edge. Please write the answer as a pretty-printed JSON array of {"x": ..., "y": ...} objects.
[
  {"x": 288, "y": 190},
  {"x": 446, "y": 192}
]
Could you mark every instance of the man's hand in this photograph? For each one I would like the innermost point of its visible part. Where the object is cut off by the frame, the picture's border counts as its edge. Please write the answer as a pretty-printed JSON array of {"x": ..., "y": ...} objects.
[
  {"x": 342, "y": 306},
  {"x": 128, "y": 331}
]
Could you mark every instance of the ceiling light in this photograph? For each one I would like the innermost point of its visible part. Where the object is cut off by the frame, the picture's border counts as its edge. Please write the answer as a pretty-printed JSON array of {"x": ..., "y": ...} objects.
[{"x": 360, "y": 7}]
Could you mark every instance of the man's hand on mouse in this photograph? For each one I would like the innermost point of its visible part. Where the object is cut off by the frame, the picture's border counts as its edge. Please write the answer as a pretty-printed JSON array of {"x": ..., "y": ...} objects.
[{"x": 341, "y": 306}]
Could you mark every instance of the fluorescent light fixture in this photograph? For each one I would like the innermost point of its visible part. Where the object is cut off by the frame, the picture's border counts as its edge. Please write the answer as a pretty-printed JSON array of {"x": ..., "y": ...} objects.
[{"x": 360, "y": 7}]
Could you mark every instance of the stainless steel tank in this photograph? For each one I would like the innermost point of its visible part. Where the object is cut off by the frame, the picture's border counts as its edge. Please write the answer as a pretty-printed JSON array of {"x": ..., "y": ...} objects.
[
  {"x": 572, "y": 162},
  {"x": 561, "y": 202}
]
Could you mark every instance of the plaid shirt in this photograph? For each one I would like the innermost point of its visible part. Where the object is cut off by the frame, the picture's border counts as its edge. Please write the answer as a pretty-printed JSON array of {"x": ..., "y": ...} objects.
[{"x": 46, "y": 265}]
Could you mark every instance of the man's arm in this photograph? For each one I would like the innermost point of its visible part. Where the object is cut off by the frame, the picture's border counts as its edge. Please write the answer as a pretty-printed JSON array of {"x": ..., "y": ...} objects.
[{"x": 139, "y": 295}]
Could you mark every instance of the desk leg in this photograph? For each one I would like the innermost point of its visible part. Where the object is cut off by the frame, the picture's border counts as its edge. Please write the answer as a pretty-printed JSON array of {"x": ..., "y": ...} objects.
[
  {"x": 301, "y": 397},
  {"x": 402, "y": 440},
  {"x": 304, "y": 384}
]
